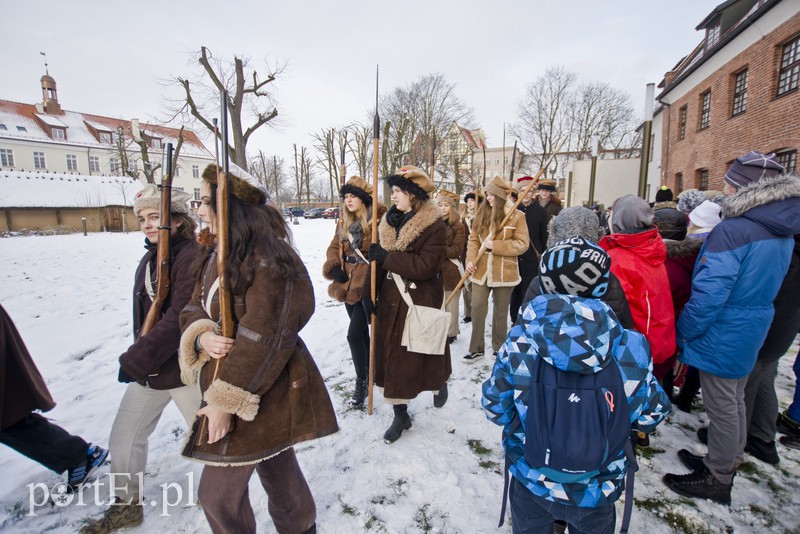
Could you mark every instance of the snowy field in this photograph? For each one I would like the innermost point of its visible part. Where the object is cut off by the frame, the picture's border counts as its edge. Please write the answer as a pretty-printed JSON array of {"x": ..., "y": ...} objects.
[{"x": 70, "y": 298}]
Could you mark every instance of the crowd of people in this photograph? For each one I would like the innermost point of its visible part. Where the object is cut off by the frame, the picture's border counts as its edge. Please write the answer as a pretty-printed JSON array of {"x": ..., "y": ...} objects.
[{"x": 694, "y": 294}]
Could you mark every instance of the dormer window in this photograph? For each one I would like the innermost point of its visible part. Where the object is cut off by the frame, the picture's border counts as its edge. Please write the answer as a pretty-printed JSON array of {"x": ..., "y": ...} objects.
[
  {"x": 21, "y": 129},
  {"x": 155, "y": 143},
  {"x": 59, "y": 134},
  {"x": 712, "y": 35},
  {"x": 3, "y": 126},
  {"x": 105, "y": 137}
]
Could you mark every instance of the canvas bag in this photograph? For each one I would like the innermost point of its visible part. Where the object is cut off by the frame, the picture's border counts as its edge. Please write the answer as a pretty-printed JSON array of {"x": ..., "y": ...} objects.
[{"x": 425, "y": 330}]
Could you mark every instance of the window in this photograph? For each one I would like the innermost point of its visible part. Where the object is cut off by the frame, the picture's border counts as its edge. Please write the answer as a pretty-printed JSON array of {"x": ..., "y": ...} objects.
[
  {"x": 3, "y": 126},
  {"x": 740, "y": 93},
  {"x": 21, "y": 129},
  {"x": 679, "y": 182},
  {"x": 705, "y": 110},
  {"x": 790, "y": 67},
  {"x": 682, "y": 123},
  {"x": 105, "y": 137},
  {"x": 497, "y": 161},
  {"x": 59, "y": 133},
  {"x": 72, "y": 162},
  {"x": 133, "y": 166},
  {"x": 712, "y": 36},
  {"x": 114, "y": 165},
  {"x": 702, "y": 179},
  {"x": 6, "y": 157},
  {"x": 197, "y": 193},
  {"x": 38, "y": 160},
  {"x": 789, "y": 160},
  {"x": 195, "y": 172},
  {"x": 155, "y": 143},
  {"x": 94, "y": 164}
]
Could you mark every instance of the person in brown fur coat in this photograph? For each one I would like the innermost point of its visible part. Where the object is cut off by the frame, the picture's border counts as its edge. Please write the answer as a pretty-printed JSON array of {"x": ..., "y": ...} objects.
[
  {"x": 349, "y": 271},
  {"x": 453, "y": 268},
  {"x": 269, "y": 394}
]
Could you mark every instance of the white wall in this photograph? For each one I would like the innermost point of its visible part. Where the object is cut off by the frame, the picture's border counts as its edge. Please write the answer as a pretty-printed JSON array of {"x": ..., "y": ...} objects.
[{"x": 614, "y": 178}]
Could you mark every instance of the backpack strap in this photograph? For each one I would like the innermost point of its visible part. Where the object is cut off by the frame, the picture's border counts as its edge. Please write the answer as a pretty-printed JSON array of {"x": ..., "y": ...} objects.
[
  {"x": 633, "y": 466},
  {"x": 506, "y": 478}
]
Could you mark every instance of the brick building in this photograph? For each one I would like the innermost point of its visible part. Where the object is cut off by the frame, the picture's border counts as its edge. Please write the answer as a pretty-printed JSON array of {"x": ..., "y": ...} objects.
[{"x": 738, "y": 90}]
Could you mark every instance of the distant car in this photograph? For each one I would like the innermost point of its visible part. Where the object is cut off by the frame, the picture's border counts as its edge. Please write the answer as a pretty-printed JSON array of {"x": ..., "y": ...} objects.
[
  {"x": 331, "y": 213},
  {"x": 314, "y": 213},
  {"x": 297, "y": 212}
]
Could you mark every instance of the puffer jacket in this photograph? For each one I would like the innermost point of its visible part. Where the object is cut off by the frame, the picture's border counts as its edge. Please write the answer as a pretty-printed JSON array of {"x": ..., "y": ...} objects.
[
  {"x": 588, "y": 348},
  {"x": 737, "y": 276},
  {"x": 499, "y": 267},
  {"x": 638, "y": 262}
]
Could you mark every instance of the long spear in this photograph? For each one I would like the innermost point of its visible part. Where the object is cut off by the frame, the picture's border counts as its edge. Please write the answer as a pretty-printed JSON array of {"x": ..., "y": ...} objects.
[
  {"x": 433, "y": 157},
  {"x": 342, "y": 206},
  {"x": 513, "y": 161},
  {"x": 223, "y": 239},
  {"x": 521, "y": 196},
  {"x": 376, "y": 137}
]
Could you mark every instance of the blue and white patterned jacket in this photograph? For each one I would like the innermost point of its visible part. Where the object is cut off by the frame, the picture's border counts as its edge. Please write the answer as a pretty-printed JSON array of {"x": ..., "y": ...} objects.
[{"x": 578, "y": 335}]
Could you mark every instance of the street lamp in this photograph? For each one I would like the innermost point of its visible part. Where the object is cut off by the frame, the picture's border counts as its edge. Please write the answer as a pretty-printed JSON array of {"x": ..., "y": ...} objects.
[
  {"x": 595, "y": 151},
  {"x": 648, "y": 129}
]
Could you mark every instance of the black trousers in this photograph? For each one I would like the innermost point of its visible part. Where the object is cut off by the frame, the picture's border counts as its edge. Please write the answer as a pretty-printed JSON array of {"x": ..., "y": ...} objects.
[
  {"x": 358, "y": 338},
  {"x": 527, "y": 272},
  {"x": 45, "y": 442}
]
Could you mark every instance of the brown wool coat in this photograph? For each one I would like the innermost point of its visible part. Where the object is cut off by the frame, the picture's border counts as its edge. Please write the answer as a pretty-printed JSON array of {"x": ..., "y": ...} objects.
[
  {"x": 269, "y": 381},
  {"x": 22, "y": 388},
  {"x": 416, "y": 254},
  {"x": 357, "y": 287},
  {"x": 499, "y": 268},
  {"x": 456, "y": 242}
]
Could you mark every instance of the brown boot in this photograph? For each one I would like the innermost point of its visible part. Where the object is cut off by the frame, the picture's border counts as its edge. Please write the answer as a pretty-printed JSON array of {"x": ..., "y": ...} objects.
[{"x": 118, "y": 516}]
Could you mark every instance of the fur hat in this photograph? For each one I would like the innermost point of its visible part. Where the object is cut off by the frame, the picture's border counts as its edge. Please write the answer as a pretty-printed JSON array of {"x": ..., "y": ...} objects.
[
  {"x": 706, "y": 215},
  {"x": 671, "y": 223},
  {"x": 690, "y": 199},
  {"x": 358, "y": 187},
  {"x": 664, "y": 194},
  {"x": 242, "y": 184},
  {"x": 447, "y": 196},
  {"x": 752, "y": 167},
  {"x": 575, "y": 266},
  {"x": 412, "y": 180},
  {"x": 576, "y": 221},
  {"x": 150, "y": 198},
  {"x": 549, "y": 185},
  {"x": 498, "y": 188}
]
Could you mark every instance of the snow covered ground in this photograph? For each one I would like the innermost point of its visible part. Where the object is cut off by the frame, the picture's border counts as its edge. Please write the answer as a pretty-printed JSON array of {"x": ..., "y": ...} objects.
[{"x": 70, "y": 298}]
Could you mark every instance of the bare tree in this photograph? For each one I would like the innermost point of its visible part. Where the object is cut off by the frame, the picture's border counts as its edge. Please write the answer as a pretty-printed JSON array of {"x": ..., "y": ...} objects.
[
  {"x": 248, "y": 98},
  {"x": 325, "y": 143},
  {"x": 137, "y": 139},
  {"x": 360, "y": 144}
]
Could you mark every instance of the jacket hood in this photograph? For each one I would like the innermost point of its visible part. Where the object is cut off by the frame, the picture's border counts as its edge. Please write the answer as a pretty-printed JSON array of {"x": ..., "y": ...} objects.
[
  {"x": 574, "y": 334},
  {"x": 772, "y": 202},
  {"x": 647, "y": 245},
  {"x": 685, "y": 248}
]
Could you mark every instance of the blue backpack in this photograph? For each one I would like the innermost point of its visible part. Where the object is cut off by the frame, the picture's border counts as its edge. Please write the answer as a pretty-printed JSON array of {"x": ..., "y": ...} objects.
[{"x": 576, "y": 423}]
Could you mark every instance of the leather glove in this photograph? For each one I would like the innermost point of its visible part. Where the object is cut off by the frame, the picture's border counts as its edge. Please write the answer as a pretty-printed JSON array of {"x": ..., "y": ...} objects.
[
  {"x": 338, "y": 274},
  {"x": 124, "y": 377},
  {"x": 369, "y": 307},
  {"x": 377, "y": 253}
]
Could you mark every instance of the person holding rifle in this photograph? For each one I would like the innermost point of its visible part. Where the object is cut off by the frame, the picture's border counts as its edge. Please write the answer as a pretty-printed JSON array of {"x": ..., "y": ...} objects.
[
  {"x": 268, "y": 394},
  {"x": 348, "y": 269},
  {"x": 150, "y": 365},
  {"x": 413, "y": 246},
  {"x": 497, "y": 271}
]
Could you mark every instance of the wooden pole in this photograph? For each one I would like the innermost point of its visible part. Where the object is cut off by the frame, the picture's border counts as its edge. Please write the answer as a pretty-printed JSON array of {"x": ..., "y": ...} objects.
[{"x": 376, "y": 135}]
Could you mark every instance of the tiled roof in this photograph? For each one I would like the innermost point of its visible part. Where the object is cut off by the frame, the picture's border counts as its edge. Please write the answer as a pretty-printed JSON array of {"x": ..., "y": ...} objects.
[{"x": 30, "y": 189}]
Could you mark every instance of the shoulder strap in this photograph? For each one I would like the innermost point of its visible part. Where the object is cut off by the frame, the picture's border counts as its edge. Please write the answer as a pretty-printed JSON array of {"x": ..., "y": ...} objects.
[
  {"x": 401, "y": 286},
  {"x": 633, "y": 466}
]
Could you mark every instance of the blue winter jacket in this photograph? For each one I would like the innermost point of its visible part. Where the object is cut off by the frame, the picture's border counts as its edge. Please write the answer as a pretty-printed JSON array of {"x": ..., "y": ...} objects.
[
  {"x": 737, "y": 276},
  {"x": 578, "y": 335}
]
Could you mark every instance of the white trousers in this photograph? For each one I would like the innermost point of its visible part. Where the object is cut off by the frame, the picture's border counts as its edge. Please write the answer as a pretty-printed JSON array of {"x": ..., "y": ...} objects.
[{"x": 138, "y": 414}]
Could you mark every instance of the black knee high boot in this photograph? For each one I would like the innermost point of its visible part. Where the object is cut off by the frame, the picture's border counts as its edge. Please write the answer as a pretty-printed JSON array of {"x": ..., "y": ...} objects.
[{"x": 401, "y": 421}]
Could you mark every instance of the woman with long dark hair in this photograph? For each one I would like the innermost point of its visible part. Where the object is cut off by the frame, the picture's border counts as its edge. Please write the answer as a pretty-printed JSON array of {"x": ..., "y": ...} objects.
[
  {"x": 269, "y": 394},
  {"x": 348, "y": 269},
  {"x": 452, "y": 269},
  {"x": 412, "y": 249}
]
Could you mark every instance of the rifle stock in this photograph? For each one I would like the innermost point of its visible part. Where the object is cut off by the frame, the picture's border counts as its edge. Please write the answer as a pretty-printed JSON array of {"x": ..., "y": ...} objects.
[{"x": 162, "y": 253}]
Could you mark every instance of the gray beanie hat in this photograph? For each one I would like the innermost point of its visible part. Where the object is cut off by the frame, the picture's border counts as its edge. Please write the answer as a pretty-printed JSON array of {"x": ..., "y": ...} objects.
[
  {"x": 631, "y": 214},
  {"x": 574, "y": 222},
  {"x": 690, "y": 199}
]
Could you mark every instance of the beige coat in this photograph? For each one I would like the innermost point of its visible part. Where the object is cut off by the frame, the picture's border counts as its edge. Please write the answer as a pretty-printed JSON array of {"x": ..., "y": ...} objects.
[{"x": 499, "y": 268}]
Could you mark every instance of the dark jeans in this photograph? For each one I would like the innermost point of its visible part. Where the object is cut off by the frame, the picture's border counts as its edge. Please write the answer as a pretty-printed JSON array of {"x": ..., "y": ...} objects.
[
  {"x": 794, "y": 409},
  {"x": 531, "y": 514},
  {"x": 527, "y": 274},
  {"x": 358, "y": 338},
  {"x": 47, "y": 443}
]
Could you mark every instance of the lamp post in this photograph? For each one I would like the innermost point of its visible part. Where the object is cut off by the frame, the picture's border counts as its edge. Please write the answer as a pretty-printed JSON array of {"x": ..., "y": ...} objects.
[
  {"x": 595, "y": 151},
  {"x": 569, "y": 193},
  {"x": 648, "y": 129}
]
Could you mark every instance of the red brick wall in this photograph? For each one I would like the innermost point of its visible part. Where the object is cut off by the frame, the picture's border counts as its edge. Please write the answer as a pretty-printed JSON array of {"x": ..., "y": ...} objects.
[{"x": 769, "y": 124}]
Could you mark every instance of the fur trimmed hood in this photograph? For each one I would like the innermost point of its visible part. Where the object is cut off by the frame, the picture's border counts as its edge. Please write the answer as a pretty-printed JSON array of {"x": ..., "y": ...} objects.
[
  {"x": 685, "y": 248},
  {"x": 761, "y": 193},
  {"x": 391, "y": 240}
]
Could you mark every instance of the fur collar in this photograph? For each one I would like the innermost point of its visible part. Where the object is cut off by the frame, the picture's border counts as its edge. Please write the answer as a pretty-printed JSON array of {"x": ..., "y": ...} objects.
[
  {"x": 685, "y": 248},
  {"x": 427, "y": 215},
  {"x": 760, "y": 193}
]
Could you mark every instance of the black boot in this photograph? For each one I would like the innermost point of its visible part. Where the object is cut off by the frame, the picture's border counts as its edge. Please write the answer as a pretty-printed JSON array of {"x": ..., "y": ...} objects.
[
  {"x": 439, "y": 399},
  {"x": 701, "y": 484},
  {"x": 766, "y": 451},
  {"x": 359, "y": 393},
  {"x": 691, "y": 460},
  {"x": 401, "y": 421}
]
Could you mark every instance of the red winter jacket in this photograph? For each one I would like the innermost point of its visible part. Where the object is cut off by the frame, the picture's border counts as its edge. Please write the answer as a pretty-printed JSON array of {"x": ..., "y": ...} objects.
[{"x": 638, "y": 261}]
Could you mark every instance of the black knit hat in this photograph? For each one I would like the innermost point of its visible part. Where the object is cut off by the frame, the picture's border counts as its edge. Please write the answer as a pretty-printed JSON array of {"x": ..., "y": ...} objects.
[
  {"x": 664, "y": 194},
  {"x": 575, "y": 266}
]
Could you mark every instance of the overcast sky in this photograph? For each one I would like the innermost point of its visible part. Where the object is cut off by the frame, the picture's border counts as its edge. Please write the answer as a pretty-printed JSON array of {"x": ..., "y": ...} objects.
[{"x": 113, "y": 58}]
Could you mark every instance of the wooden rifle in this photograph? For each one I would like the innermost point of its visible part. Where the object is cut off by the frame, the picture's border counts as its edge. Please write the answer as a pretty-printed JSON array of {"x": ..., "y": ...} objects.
[{"x": 162, "y": 253}]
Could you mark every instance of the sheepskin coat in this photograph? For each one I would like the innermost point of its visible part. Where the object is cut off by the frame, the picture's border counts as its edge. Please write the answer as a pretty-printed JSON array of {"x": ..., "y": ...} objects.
[
  {"x": 357, "y": 285},
  {"x": 499, "y": 267},
  {"x": 416, "y": 251},
  {"x": 268, "y": 381},
  {"x": 456, "y": 241}
]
